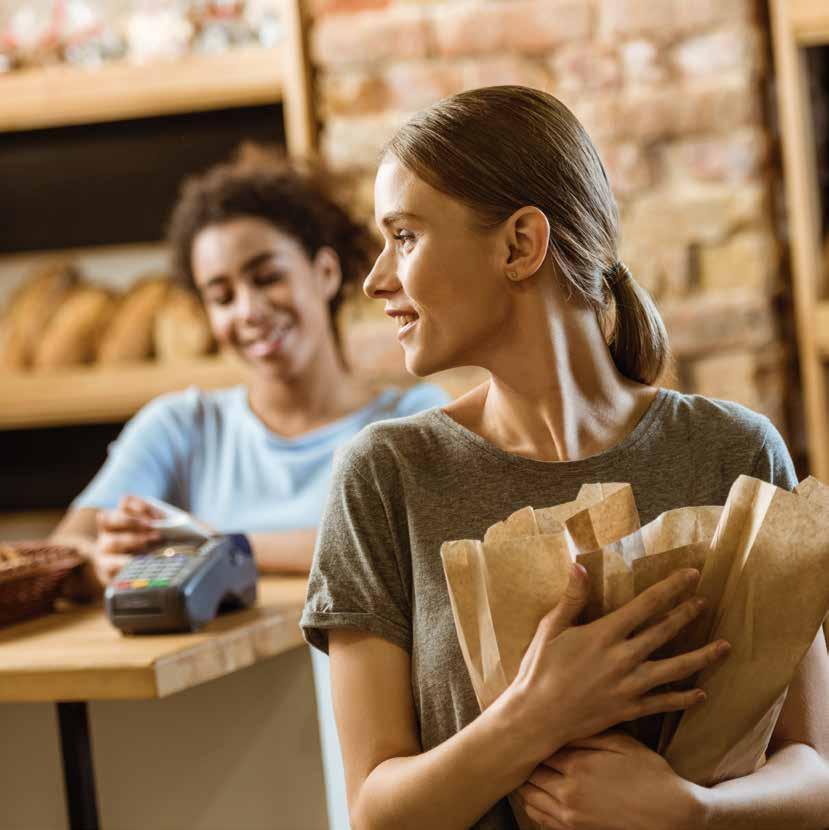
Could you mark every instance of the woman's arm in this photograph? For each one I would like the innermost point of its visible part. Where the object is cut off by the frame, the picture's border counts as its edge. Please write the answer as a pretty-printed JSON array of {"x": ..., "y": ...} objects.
[
  {"x": 287, "y": 551},
  {"x": 602, "y": 781},
  {"x": 792, "y": 789},
  {"x": 573, "y": 681}
]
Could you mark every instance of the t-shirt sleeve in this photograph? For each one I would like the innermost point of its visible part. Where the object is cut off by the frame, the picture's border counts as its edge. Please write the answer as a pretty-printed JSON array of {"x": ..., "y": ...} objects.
[
  {"x": 145, "y": 459},
  {"x": 420, "y": 397},
  {"x": 360, "y": 577},
  {"x": 773, "y": 462}
]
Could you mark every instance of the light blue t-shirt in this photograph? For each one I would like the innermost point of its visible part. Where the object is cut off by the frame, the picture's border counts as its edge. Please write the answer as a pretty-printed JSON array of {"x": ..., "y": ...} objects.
[{"x": 208, "y": 453}]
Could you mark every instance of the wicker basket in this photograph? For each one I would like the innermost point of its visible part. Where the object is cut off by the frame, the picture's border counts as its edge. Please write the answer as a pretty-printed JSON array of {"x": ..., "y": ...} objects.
[{"x": 31, "y": 574}]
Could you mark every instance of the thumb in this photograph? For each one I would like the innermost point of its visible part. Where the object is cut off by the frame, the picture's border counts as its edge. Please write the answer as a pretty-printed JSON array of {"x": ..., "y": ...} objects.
[{"x": 572, "y": 601}]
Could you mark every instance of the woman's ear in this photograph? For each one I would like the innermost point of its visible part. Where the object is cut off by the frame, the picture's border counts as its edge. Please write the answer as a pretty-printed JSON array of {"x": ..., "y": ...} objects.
[
  {"x": 527, "y": 241},
  {"x": 329, "y": 271}
]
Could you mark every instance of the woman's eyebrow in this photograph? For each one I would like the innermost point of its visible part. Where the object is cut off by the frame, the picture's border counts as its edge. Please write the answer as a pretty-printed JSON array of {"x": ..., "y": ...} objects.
[
  {"x": 256, "y": 260},
  {"x": 391, "y": 218}
]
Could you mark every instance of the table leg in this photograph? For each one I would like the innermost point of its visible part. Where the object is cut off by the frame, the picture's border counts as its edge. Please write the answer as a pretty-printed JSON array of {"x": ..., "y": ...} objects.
[{"x": 78, "y": 772}]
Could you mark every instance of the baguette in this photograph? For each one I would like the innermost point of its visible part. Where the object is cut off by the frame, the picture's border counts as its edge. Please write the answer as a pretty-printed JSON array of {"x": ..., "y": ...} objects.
[
  {"x": 75, "y": 331},
  {"x": 31, "y": 309},
  {"x": 129, "y": 335}
]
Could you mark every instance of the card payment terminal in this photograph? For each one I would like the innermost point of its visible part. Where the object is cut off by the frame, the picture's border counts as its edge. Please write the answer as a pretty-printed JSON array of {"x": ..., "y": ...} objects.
[{"x": 182, "y": 586}]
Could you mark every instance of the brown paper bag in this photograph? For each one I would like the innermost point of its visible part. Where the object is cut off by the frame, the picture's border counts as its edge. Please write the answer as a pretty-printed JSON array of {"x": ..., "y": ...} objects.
[{"x": 768, "y": 571}]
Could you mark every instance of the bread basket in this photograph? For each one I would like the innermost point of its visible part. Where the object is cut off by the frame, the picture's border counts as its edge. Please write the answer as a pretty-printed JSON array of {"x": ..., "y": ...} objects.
[{"x": 31, "y": 574}]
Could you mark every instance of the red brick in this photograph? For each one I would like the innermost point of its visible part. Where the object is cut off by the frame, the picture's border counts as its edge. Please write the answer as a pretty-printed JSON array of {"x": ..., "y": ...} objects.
[
  {"x": 588, "y": 65},
  {"x": 371, "y": 37},
  {"x": 735, "y": 157},
  {"x": 666, "y": 19},
  {"x": 351, "y": 92},
  {"x": 629, "y": 167},
  {"x": 746, "y": 260},
  {"x": 415, "y": 85},
  {"x": 473, "y": 28},
  {"x": 714, "y": 53},
  {"x": 642, "y": 62},
  {"x": 709, "y": 323},
  {"x": 654, "y": 113},
  {"x": 704, "y": 215},
  {"x": 319, "y": 8},
  {"x": 493, "y": 70},
  {"x": 664, "y": 270},
  {"x": 356, "y": 143}
]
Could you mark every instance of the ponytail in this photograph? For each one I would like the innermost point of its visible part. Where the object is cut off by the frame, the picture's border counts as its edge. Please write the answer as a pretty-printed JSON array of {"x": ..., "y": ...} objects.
[{"x": 639, "y": 342}]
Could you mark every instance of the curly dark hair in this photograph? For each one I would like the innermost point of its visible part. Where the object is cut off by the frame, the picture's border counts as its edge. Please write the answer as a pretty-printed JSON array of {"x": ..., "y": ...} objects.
[{"x": 295, "y": 197}]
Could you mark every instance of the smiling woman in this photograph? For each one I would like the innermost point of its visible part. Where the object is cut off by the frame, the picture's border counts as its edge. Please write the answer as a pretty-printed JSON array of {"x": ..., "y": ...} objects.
[{"x": 501, "y": 251}]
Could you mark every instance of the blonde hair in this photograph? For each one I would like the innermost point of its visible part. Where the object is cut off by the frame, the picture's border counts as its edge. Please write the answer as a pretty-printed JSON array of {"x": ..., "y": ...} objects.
[{"x": 498, "y": 149}]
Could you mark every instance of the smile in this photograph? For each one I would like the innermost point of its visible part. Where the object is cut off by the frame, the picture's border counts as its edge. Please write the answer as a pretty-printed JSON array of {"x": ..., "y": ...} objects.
[{"x": 268, "y": 345}]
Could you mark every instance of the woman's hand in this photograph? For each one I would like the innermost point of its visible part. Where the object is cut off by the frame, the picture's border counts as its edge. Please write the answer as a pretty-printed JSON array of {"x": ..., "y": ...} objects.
[
  {"x": 598, "y": 675},
  {"x": 123, "y": 531},
  {"x": 610, "y": 782}
]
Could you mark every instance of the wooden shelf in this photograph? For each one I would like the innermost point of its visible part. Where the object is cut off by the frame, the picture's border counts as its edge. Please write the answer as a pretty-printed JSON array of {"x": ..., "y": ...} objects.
[
  {"x": 809, "y": 20},
  {"x": 798, "y": 24},
  {"x": 101, "y": 394},
  {"x": 64, "y": 95}
]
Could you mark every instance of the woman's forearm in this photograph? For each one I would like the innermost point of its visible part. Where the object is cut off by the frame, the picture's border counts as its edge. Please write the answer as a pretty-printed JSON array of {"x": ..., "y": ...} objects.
[
  {"x": 791, "y": 791},
  {"x": 453, "y": 785},
  {"x": 288, "y": 551}
]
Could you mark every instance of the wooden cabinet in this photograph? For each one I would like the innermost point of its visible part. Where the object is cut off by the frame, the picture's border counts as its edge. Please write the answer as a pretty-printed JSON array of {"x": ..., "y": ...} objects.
[{"x": 797, "y": 26}]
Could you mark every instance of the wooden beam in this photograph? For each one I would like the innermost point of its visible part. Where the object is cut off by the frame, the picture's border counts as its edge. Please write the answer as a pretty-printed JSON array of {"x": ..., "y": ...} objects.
[
  {"x": 803, "y": 202},
  {"x": 300, "y": 117}
]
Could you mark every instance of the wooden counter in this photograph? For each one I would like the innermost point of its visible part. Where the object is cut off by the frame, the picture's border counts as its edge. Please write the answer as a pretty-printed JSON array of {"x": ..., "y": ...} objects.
[{"x": 78, "y": 655}]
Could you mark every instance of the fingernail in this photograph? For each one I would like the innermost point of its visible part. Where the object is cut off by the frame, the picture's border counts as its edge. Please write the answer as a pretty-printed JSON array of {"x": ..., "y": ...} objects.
[
  {"x": 699, "y": 602},
  {"x": 723, "y": 648},
  {"x": 700, "y": 697},
  {"x": 691, "y": 576}
]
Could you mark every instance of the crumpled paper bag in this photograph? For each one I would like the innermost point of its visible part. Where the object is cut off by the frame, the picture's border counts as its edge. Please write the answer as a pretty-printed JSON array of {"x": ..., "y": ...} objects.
[
  {"x": 767, "y": 579},
  {"x": 764, "y": 559}
]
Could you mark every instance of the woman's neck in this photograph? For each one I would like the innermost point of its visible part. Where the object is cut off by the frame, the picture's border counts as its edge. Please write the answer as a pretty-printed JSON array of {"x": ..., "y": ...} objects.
[
  {"x": 323, "y": 392},
  {"x": 555, "y": 392}
]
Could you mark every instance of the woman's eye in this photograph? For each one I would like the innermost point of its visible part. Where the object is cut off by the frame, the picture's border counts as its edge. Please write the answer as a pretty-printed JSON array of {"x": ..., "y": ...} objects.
[
  {"x": 404, "y": 237},
  {"x": 220, "y": 299},
  {"x": 269, "y": 279}
]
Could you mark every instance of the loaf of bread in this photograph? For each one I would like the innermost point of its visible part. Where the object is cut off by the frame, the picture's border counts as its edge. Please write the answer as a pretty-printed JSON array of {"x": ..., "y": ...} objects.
[
  {"x": 30, "y": 310},
  {"x": 182, "y": 330},
  {"x": 129, "y": 335},
  {"x": 75, "y": 331}
]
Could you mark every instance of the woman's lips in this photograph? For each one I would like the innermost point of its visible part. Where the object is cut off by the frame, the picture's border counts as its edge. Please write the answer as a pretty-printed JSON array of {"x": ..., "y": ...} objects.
[
  {"x": 405, "y": 329},
  {"x": 268, "y": 346}
]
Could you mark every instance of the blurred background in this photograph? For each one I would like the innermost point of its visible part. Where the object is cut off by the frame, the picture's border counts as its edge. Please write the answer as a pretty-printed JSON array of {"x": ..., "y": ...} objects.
[{"x": 711, "y": 117}]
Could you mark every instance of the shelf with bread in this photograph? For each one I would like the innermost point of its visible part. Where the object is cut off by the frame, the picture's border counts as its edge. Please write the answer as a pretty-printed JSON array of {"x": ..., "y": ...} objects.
[
  {"x": 64, "y": 95},
  {"x": 72, "y": 351}
]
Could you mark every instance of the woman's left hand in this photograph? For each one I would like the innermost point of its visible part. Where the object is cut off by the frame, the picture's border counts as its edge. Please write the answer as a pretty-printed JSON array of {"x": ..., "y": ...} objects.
[{"x": 610, "y": 782}]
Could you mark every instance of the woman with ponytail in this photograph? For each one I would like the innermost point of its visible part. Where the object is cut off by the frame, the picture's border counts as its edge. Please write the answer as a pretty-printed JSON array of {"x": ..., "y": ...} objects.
[{"x": 501, "y": 251}]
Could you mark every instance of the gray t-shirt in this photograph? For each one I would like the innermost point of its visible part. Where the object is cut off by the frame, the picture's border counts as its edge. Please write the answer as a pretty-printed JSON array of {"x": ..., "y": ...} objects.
[{"x": 403, "y": 487}]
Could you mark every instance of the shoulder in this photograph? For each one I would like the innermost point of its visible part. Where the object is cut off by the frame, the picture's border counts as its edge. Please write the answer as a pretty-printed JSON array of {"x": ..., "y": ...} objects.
[
  {"x": 420, "y": 397},
  {"x": 186, "y": 410},
  {"x": 726, "y": 419},
  {"x": 385, "y": 446},
  {"x": 735, "y": 435}
]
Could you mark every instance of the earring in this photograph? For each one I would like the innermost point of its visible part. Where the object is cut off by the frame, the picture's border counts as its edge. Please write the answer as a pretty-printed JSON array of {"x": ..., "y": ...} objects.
[{"x": 512, "y": 275}]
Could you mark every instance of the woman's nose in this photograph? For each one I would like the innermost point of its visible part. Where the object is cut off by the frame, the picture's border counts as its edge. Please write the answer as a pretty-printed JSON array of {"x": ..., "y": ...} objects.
[
  {"x": 250, "y": 305},
  {"x": 382, "y": 279}
]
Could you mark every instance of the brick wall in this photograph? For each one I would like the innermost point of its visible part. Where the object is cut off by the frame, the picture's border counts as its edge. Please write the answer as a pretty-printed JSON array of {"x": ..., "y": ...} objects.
[{"x": 673, "y": 92}]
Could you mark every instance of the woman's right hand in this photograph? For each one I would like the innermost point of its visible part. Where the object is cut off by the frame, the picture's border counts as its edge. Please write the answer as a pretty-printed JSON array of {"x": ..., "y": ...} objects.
[
  {"x": 123, "y": 531},
  {"x": 576, "y": 681}
]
